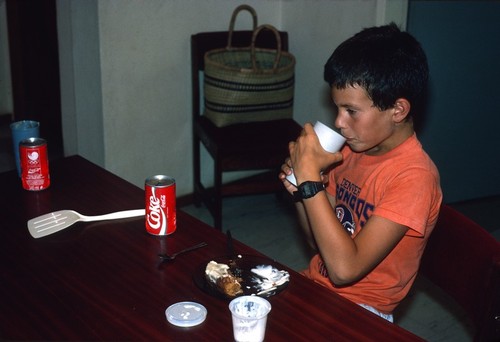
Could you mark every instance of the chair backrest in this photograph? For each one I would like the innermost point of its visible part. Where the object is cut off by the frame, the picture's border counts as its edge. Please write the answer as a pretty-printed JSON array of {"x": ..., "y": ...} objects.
[
  {"x": 206, "y": 41},
  {"x": 463, "y": 259}
]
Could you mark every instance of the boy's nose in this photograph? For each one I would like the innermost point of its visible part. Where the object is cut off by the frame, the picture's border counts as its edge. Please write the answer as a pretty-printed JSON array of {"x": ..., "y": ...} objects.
[{"x": 339, "y": 121}]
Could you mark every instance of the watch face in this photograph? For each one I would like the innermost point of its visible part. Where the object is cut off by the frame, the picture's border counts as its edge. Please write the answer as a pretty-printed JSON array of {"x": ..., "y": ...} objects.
[{"x": 309, "y": 189}]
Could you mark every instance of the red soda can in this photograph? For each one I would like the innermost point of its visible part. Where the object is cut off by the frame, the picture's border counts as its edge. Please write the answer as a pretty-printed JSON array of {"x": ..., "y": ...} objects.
[
  {"x": 34, "y": 164},
  {"x": 160, "y": 205}
]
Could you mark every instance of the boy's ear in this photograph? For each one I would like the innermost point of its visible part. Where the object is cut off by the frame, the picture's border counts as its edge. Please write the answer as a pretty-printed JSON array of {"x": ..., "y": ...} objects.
[{"x": 401, "y": 110}]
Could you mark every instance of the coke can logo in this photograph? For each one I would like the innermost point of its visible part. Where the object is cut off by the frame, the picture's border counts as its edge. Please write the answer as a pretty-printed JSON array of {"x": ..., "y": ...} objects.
[
  {"x": 156, "y": 217},
  {"x": 35, "y": 170}
]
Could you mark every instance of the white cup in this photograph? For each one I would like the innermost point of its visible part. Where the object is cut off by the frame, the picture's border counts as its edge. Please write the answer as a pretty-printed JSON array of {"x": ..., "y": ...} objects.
[
  {"x": 249, "y": 314},
  {"x": 330, "y": 140}
]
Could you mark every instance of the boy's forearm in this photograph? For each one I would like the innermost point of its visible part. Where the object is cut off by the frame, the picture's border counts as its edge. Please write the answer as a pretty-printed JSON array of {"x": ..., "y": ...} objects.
[{"x": 304, "y": 221}]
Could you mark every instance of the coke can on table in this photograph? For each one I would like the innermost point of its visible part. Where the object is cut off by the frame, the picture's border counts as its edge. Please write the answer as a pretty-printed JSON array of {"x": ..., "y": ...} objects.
[
  {"x": 160, "y": 205},
  {"x": 34, "y": 164}
]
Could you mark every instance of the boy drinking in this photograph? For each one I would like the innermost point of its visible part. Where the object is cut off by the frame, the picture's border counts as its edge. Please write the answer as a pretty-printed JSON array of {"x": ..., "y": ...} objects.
[{"x": 371, "y": 212}]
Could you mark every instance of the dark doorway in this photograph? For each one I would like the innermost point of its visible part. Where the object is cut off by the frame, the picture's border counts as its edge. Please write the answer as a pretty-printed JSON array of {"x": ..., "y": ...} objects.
[{"x": 33, "y": 45}]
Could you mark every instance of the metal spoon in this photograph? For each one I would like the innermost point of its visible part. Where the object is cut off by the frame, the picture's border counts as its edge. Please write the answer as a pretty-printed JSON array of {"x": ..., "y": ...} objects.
[{"x": 166, "y": 257}]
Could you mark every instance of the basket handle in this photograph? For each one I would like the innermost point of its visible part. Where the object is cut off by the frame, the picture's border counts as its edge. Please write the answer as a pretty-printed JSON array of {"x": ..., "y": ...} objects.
[
  {"x": 278, "y": 45},
  {"x": 233, "y": 20}
]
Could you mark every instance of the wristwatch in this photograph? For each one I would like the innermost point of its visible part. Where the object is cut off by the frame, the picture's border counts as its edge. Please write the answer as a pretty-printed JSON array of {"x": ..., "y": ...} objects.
[{"x": 308, "y": 189}]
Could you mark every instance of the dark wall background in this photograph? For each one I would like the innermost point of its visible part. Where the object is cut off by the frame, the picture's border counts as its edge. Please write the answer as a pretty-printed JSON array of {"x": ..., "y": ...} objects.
[
  {"x": 461, "y": 131},
  {"x": 33, "y": 46}
]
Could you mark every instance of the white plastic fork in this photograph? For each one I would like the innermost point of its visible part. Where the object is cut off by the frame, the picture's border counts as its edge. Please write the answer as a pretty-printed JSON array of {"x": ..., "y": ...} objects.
[{"x": 58, "y": 220}]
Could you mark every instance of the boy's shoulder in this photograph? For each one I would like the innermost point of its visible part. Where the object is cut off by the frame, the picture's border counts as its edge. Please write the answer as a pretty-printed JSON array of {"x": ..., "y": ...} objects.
[{"x": 409, "y": 153}]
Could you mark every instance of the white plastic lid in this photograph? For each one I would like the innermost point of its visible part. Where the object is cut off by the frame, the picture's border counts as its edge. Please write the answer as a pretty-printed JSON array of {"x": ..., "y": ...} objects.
[{"x": 186, "y": 314}]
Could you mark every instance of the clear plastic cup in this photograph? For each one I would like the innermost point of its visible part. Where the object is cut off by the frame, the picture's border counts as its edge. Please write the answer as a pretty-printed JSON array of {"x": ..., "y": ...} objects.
[{"x": 249, "y": 314}]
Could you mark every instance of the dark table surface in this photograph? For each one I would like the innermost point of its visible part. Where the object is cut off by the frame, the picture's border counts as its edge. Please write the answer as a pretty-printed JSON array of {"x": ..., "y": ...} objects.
[{"x": 103, "y": 280}]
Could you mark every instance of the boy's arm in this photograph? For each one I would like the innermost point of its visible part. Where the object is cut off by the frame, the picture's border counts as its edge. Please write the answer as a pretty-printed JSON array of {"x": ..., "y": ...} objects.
[{"x": 348, "y": 259}]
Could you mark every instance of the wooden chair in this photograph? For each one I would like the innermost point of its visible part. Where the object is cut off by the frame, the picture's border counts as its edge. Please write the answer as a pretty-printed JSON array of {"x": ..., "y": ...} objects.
[
  {"x": 239, "y": 147},
  {"x": 463, "y": 259}
]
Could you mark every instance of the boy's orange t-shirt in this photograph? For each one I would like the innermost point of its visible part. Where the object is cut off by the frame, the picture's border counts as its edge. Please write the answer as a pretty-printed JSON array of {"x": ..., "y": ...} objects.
[{"x": 402, "y": 186}]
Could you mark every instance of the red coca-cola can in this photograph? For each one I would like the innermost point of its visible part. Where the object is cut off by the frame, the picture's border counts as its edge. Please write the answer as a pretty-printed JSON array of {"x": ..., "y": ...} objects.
[
  {"x": 161, "y": 218},
  {"x": 34, "y": 164}
]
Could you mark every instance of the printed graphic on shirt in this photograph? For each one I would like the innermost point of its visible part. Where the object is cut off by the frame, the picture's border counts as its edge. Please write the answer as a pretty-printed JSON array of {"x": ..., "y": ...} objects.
[
  {"x": 349, "y": 208},
  {"x": 348, "y": 198},
  {"x": 345, "y": 217}
]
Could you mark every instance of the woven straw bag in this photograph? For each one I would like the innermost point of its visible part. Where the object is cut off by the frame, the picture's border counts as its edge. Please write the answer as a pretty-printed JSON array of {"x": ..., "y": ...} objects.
[{"x": 248, "y": 84}]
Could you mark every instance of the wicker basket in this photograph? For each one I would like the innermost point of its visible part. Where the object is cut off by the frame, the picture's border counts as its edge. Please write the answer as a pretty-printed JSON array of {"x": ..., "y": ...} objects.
[{"x": 248, "y": 84}]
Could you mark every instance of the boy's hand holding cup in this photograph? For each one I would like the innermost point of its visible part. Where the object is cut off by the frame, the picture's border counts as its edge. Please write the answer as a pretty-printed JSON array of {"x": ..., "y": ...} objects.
[{"x": 330, "y": 140}]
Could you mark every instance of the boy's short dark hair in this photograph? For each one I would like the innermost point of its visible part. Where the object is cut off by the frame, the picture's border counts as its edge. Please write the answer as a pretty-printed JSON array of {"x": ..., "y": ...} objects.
[{"x": 388, "y": 63}]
